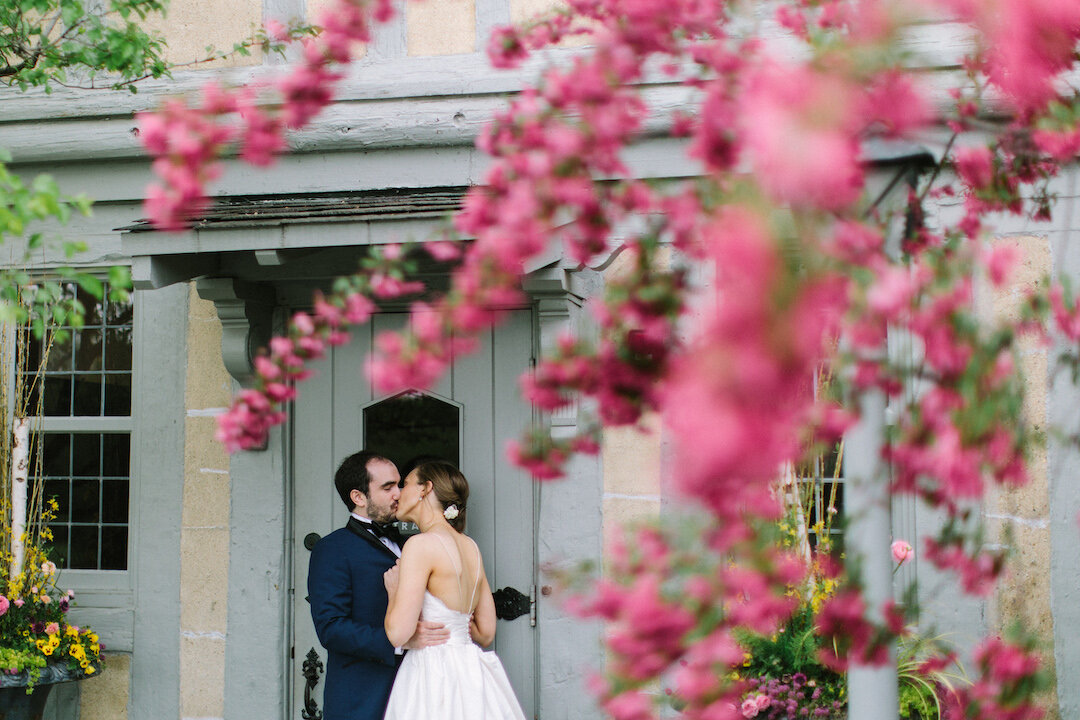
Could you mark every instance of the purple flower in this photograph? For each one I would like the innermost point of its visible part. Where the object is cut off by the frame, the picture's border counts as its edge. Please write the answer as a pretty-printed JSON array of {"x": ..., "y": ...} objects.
[
  {"x": 64, "y": 605},
  {"x": 37, "y": 626}
]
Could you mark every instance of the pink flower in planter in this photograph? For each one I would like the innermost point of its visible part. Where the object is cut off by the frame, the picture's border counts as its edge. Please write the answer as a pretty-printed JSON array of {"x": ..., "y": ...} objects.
[
  {"x": 19, "y": 602},
  {"x": 901, "y": 551},
  {"x": 4, "y": 604},
  {"x": 749, "y": 708},
  {"x": 52, "y": 628}
]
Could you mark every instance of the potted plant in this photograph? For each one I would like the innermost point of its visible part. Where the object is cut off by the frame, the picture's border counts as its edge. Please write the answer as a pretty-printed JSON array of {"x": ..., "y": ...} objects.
[{"x": 38, "y": 646}]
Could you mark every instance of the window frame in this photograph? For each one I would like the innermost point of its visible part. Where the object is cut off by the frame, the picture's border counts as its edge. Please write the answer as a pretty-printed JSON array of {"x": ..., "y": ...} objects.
[{"x": 104, "y": 599}]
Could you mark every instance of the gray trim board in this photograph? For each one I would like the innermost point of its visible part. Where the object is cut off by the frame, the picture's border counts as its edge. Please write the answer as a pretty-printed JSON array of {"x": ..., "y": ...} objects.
[
  {"x": 1063, "y": 466},
  {"x": 258, "y": 641},
  {"x": 157, "y": 499},
  {"x": 490, "y": 14}
]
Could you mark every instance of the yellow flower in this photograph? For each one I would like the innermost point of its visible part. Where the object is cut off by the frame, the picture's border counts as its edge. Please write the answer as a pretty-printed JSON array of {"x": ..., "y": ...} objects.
[
  {"x": 95, "y": 648},
  {"x": 47, "y": 649},
  {"x": 90, "y": 670},
  {"x": 93, "y": 638}
]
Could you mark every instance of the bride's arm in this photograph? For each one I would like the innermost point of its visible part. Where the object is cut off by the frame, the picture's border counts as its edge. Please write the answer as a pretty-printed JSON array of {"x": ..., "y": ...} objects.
[
  {"x": 482, "y": 626},
  {"x": 405, "y": 585}
]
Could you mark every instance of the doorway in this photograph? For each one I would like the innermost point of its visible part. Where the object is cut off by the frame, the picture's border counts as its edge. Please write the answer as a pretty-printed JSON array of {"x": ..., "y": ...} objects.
[{"x": 473, "y": 411}]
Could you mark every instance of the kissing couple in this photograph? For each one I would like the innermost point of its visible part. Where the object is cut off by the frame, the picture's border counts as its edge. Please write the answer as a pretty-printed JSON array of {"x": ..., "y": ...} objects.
[{"x": 403, "y": 623}]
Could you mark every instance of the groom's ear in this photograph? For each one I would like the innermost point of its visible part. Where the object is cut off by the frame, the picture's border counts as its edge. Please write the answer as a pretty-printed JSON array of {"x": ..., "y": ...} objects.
[{"x": 358, "y": 500}]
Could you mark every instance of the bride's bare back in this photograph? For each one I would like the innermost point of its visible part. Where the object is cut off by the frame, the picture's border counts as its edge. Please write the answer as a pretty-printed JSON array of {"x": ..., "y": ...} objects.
[
  {"x": 455, "y": 577},
  {"x": 448, "y": 565}
]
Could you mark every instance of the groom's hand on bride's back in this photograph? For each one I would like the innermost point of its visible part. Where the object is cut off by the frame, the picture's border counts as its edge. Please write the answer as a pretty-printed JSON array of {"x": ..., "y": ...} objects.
[{"x": 427, "y": 634}]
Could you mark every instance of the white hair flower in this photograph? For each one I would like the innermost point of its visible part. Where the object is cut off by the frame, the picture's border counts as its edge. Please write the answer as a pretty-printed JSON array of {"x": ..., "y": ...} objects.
[{"x": 451, "y": 512}]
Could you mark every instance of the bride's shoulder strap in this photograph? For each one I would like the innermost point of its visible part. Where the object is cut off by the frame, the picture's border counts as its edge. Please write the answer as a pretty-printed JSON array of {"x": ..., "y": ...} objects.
[
  {"x": 455, "y": 560},
  {"x": 479, "y": 568}
]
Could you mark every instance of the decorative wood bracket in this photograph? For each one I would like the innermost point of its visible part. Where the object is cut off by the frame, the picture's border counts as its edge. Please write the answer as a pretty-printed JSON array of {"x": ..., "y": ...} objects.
[{"x": 245, "y": 310}]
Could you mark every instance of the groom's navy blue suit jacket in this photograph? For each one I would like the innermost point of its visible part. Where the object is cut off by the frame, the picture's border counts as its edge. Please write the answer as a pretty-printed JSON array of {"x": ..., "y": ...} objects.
[{"x": 348, "y": 604}]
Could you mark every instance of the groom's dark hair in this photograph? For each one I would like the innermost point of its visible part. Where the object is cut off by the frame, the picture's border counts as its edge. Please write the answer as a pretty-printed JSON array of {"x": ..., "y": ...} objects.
[{"x": 353, "y": 474}]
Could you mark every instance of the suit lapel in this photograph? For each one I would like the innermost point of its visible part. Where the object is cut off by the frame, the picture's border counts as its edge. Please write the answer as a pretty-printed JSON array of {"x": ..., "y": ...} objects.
[{"x": 358, "y": 527}]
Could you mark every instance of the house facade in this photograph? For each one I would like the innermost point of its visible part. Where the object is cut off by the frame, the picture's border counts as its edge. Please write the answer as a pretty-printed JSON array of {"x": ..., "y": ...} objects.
[{"x": 201, "y": 598}]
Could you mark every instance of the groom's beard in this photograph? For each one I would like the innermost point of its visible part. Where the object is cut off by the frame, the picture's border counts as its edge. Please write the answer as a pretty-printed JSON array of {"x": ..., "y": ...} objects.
[{"x": 382, "y": 515}]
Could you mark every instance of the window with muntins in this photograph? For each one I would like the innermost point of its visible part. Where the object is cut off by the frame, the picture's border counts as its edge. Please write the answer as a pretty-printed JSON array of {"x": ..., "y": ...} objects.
[{"x": 85, "y": 434}]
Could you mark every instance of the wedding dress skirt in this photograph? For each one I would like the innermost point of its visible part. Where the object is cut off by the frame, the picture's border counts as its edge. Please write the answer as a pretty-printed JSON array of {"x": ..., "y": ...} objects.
[{"x": 455, "y": 681}]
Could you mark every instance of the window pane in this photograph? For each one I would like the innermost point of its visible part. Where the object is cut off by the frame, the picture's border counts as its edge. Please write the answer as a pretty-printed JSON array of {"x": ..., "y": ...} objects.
[
  {"x": 87, "y": 395},
  {"x": 59, "y": 357},
  {"x": 85, "y": 501},
  {"x": 114, "y": 542},
  {"x": 114, "y": 501},
  {"x": 87, "y": 448},
  {"x": 84, "y": 547},
  {"x": 58, "y": 550},
  {"x": 116, "y": 456},
  {"x": 57, "y": 395},
  {"x": 33, "y": 354},
  {"x": 61, "y": 490},
  {"x": 56, "y": 455},
  {"x": 87, "y": 349},
  {"x": 118, "y": 348},
  {"x": 118, "y": 395}
]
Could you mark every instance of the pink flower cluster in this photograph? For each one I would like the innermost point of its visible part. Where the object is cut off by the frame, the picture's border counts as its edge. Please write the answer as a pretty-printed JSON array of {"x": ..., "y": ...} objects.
[{"x": 738, "y": 398}]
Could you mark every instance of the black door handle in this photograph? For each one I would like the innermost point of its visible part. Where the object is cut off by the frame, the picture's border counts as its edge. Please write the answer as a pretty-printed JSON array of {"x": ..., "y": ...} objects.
[
  {"x": 312, "y": 668},
  {"x": 310, "y": 539}
]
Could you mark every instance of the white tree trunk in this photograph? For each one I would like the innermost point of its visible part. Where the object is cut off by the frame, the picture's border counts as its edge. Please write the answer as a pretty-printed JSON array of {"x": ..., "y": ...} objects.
[{"x": 20, "y": 467}]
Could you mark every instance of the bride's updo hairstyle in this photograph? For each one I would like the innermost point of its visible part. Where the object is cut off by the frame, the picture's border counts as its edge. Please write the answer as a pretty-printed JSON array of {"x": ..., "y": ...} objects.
[{"x": 451, "y": 488}]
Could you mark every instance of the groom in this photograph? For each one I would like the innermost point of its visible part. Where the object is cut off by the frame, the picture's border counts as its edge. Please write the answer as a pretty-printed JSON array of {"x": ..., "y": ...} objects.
[{"x": 348, "y": 599}]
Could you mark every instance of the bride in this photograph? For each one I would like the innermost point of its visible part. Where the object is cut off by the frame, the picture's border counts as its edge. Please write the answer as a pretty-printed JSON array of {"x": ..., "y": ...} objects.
[{"x": 440, "y": 577}]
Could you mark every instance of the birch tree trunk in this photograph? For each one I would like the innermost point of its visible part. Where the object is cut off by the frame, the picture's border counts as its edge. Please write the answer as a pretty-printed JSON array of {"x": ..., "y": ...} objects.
[{"x": 20, "y": 471}]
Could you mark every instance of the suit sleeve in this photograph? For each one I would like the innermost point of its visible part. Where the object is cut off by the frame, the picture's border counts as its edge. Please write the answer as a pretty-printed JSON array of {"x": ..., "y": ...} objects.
[{"x": 330, "y": 592}]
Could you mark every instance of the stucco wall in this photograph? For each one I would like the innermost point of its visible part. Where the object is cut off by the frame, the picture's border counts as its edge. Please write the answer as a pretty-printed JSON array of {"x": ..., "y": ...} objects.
[
  {"x": 190, "y": 26},
  {"x": 106, "y": 697}
]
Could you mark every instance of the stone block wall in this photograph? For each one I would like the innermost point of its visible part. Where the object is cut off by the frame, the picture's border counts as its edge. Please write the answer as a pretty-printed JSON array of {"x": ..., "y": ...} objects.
[
  {"x": 204, "y": 533},
  {"x": 1019, "y": 518}
]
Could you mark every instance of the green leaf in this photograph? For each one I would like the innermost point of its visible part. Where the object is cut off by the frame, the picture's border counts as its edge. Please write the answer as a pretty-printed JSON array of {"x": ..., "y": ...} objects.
[
  {"x": 91, "y": 284},
  {"x": 119, "y": 282}
]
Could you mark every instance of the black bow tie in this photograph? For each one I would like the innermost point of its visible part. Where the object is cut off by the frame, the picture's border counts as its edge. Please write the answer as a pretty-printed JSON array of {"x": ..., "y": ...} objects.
[{"x": 384, "y": 531}]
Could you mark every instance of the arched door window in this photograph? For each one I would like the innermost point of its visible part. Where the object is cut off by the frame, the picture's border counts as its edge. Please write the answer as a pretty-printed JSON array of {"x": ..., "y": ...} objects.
[{"x": 413, "y": 424}]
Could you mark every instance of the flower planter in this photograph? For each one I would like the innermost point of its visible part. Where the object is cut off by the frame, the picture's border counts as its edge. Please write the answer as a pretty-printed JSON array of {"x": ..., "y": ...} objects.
[{"x": 16, "y": 704}]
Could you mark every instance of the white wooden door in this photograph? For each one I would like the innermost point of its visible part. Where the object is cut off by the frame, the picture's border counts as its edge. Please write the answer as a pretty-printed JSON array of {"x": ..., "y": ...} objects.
[{"x": 482, "y": 389}]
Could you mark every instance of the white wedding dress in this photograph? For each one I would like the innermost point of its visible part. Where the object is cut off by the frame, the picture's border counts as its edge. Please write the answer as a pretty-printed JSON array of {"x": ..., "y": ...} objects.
[{"x": 454, "y": 681}]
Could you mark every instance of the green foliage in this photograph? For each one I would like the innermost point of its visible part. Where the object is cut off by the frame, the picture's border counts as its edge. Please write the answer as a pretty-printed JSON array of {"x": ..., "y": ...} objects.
[
  {"x": 74, "y": 43},
  {"x": 921, "y": 688},
  {"x": 40, "y": 298},
  {"x": 46, "y": 42},
  {"x": 793, "y": 649}
]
